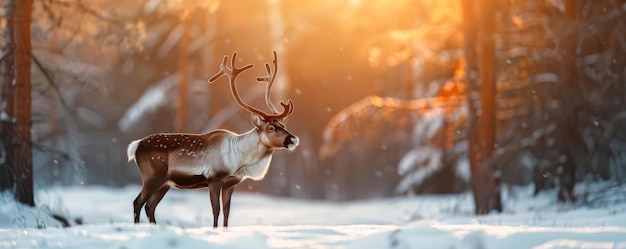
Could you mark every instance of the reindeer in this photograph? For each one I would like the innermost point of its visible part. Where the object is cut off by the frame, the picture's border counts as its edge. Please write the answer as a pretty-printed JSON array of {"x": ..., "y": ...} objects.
[{"x": 217, "y": 160}]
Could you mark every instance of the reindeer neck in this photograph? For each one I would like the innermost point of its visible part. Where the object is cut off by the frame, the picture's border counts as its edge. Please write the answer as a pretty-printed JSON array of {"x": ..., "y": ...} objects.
[{"x": 247, "y": 147}]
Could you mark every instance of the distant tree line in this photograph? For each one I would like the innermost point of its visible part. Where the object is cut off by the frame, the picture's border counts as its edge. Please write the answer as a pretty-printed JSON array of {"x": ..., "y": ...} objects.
[
  {"x": 462, "y": 94},
  {"x": 541, "y": 85}
]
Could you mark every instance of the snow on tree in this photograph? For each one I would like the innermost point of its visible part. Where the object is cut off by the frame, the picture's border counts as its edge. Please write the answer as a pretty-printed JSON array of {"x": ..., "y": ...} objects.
[
  {"x": 417, "y": 165},
  {"x": 155, "y": 97},
  {"x": 436, "y": 125}
]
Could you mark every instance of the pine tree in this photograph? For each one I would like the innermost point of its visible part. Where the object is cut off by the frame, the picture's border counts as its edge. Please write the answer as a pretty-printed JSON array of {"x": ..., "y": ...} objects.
[{"x": 23, "y": 164}]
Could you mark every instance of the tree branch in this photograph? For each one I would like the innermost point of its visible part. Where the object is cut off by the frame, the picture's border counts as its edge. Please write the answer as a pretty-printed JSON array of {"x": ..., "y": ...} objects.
[
  {"x": 53, "y": 84},
  {"x": 4, "y": 55},
  {"x": 81, "y": 6}
]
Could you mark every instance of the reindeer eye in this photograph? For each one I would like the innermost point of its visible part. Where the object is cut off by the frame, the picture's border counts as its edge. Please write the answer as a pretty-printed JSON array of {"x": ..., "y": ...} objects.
[{"x": 271, "y": 128}]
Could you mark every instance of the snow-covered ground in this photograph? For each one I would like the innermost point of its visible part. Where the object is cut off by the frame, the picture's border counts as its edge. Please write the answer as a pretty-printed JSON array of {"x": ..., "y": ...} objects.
[{"x": 261, "y": 221}]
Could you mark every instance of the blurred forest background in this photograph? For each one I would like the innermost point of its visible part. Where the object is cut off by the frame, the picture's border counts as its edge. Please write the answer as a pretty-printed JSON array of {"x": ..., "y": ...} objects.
[{"x": 391, "y": 97}]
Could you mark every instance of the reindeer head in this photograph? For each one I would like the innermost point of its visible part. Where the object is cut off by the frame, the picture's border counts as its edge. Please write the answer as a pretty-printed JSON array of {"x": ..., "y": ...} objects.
[{"x": 271, "y": 127}]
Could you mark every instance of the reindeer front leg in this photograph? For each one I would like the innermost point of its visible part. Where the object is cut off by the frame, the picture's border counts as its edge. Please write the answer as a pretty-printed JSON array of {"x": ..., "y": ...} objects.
[
  {"x": 214, "y": 192},
  {"x": 228, "y": 186},
  {"x": 215, "y": 185}
]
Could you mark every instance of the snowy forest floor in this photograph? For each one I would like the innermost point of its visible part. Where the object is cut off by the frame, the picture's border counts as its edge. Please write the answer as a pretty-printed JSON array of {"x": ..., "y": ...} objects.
[{"x": 261, "y": 221}]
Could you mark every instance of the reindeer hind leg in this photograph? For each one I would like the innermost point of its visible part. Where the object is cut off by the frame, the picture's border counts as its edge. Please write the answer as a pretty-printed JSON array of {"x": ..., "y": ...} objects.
[
  {"x": 153, "y": 178},
  {"x": 137, "y": 208},
  {"x": 153, "y": 201},
  {"x": 149, "y": 187}
]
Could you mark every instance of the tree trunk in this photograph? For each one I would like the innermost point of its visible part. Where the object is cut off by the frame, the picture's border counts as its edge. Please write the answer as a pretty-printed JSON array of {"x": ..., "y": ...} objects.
[
  {"x": 485, "y": 182},
  {"x": 471, "y": 74},
  {"x": 567, "y": 128},
  {"x": 23, "y": 166}
]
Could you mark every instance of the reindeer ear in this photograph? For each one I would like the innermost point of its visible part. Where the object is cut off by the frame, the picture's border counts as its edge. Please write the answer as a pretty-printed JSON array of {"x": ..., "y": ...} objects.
[{"x": 257, "y": 120}]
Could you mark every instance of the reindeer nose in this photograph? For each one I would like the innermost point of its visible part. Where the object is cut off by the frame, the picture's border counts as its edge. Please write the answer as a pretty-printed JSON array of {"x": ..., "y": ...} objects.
[{"x": 291, "y": 142}]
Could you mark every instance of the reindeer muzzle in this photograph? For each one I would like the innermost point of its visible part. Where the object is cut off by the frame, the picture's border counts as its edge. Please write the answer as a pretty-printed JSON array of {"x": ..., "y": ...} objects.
[{"x": 291, "y": 142}]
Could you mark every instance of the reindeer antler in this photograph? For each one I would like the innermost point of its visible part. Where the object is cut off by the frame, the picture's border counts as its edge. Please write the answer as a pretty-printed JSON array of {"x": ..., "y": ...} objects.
[
  {"x": 269, "y": 79},
  {"x": 232, "y": 72}
]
